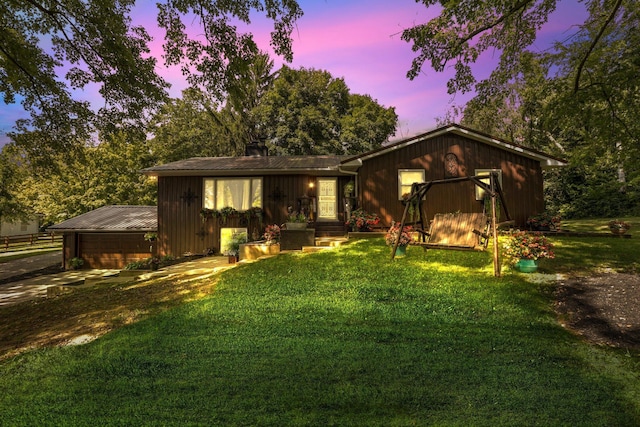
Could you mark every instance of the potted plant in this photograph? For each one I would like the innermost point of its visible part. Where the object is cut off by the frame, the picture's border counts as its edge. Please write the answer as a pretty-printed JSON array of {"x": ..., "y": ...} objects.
[
  {"x": 233, "y": 249},
  {"x": 362, "y": 221},
  {"x": 524, "y": 249},
  {"x": 403, "y": 238},
  {"x": 271, "y": 234},
  {"x": 619, "y": 227},
  {"x": 349, "y": 187},
  {"x": 150, "y": 236},
  {"x": 296, "y": 221},
  {"x": 543, "y": 222},
  {"x": 225, "y": 213}
]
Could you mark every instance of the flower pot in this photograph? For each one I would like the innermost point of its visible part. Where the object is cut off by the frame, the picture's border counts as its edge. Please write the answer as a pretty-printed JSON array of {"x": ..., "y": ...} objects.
[
  {"x": 527, "y": 265},
  {"x": 232, "y": 259},
  {"x": 618, "y": 231},
  {"x": 401, "y": 251}
]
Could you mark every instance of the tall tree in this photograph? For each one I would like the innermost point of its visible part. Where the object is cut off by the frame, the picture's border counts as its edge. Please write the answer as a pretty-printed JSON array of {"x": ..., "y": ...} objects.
[
  {"x": 10, "y": 176},
  {"x": 191, "y": 126},
  {"x": 51, "y": 51},
  {"x": 107, "y": 174},
  {"x": 308, "y": 111}
]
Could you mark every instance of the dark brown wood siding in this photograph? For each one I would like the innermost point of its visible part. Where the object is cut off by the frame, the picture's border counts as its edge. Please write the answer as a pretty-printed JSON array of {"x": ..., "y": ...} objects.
[
  {"x": 113, "y": 250},
  {"x": 182, "y": 230},
  {"x": 521, "y": 178}
]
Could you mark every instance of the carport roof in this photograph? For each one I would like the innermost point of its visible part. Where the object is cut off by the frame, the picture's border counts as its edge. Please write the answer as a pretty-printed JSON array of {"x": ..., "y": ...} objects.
[{"x": 115, "y": 218}]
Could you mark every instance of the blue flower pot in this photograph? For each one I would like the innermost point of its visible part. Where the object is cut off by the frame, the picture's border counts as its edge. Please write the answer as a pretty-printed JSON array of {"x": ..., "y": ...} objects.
[
  {"x": 527, "y": 265},
  {"x": 401, "y": 251}
]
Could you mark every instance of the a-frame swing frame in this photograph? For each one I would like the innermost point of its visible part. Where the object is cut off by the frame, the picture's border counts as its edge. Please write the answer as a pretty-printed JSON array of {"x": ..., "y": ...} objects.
[{"x": 493, "y": 188}]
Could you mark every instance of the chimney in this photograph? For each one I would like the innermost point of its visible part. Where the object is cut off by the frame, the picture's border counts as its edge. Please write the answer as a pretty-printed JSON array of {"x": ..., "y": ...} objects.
[{"x": 256, "y": 149}]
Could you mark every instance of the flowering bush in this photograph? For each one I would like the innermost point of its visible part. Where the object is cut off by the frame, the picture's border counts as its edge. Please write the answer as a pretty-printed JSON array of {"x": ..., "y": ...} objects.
[
  {"x": 542, "y": 221},
  {"x": 362, "y": 221},
  {"x": 272, "y": 234},
  {"x": 522, "y": 245},
  {"x": 405, "y": 236}
]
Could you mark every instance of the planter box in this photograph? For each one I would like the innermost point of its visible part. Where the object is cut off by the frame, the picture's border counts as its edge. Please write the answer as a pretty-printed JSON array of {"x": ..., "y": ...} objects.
[
  {"x": 256, "y": 250},
  {"x": 296, "y": 239}
]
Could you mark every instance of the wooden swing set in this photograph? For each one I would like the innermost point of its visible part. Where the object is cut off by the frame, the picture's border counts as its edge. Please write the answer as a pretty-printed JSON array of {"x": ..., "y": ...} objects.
[{"x": 458, "y": 231}]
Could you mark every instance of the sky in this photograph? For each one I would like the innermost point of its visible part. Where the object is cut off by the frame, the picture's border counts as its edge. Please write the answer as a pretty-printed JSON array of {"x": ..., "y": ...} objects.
[{"x": 359, "y": 41}]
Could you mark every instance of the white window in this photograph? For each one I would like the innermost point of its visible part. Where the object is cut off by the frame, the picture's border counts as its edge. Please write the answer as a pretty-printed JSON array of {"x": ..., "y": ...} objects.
[
  {"x": 406, "y": 177},
  {"x": 480, "y": 193},
  {"x": 238, "y": 193}
]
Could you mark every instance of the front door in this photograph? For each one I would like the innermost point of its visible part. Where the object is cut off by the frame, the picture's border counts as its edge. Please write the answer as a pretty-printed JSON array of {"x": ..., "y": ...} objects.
[{"x": 327, "y": 199}]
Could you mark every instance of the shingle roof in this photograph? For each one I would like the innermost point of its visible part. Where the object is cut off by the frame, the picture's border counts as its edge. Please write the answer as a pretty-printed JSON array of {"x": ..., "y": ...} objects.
[
  {"x": 113, "y": 218},
  {"x": 262, "y": 165}
]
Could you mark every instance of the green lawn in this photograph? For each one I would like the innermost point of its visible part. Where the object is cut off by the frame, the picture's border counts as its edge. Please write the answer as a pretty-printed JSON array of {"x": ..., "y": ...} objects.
[
  {"x": 598, "y": 224},
  {"x": 344, "y": 337}
]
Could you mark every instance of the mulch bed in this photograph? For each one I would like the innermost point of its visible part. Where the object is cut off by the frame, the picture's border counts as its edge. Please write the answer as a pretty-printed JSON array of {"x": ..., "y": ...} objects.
[{"x": 604, "y": 309}]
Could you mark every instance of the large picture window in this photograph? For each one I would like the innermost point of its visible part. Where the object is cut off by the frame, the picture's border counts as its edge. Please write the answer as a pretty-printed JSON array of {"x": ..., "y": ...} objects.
[
  {"x": 238, "y": 193},
  {"x": 406, "y": 177}
]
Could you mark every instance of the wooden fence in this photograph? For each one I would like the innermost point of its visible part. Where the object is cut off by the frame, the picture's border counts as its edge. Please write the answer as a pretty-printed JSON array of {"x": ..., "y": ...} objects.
[{"x": 27, "y": 240}]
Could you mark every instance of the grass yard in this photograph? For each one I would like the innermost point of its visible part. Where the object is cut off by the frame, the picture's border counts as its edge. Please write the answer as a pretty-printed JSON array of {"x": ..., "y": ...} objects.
[{"x": 345, "y": 337}]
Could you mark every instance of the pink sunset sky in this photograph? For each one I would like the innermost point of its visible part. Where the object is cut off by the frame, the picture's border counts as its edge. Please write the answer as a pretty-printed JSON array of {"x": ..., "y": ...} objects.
[{"x": 358, "y": 40}]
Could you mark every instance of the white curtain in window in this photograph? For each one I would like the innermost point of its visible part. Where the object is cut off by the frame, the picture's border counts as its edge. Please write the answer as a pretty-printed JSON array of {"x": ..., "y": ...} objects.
[
  {"x": 238, "y": 193},
  {"x": 209, "y": 191}
]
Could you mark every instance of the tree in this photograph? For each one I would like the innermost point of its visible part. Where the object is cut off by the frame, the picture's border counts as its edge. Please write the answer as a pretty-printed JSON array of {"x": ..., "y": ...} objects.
[
  {"x": 593, "y": 125},
  {"x": 308, "y": 111},
  {"x": 190, "y": 126},
  {"x": 366, "y": 125},
  {"x": 10, "y": 175},
  {"x": 107, "y": 174},
  {"x": 51, "y": 51}
]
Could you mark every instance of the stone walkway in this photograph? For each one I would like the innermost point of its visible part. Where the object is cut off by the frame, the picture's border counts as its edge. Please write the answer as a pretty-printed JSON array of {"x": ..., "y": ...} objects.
[
  {"x": 36, "y": 287},
  {"x": 27, "y": 265}
]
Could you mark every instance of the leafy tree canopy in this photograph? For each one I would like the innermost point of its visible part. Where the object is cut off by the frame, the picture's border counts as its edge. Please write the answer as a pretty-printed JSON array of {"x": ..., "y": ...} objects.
[
  {"x": 308, "y": 111},
  {"x": 50, "y": 51},
  {"x": 107, "y": 174},
  {"x": 464, "y": 30}
]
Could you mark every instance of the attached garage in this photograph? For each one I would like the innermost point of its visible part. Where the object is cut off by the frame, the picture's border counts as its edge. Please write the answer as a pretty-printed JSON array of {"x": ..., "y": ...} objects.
[{"x": 109, "y": 237}]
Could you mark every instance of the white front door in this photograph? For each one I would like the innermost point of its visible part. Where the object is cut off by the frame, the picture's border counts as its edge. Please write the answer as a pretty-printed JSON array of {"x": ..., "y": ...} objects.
[{"x": 327, "y": 199}]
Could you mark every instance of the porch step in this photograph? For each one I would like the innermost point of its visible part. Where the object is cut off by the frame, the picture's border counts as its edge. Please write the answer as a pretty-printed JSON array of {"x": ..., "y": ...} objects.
[
  {"x": 330, "y": 229},
  {"x": 316, "y": 248},
  {"x": 330, "y": 241}
]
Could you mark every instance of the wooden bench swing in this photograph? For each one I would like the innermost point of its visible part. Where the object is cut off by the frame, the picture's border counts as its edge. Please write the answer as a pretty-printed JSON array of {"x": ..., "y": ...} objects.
[{"x": 458, "y": 231}]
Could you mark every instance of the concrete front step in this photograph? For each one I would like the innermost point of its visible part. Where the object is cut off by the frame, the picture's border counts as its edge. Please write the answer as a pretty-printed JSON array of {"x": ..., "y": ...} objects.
[
  {"x": 309, "y": 249},
  {"x": 330, "y": 241}
]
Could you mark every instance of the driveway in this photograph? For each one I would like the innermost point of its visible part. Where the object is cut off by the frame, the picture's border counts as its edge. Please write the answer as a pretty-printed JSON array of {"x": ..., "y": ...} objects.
[
  {"x": 12, "y": 292},
  {"x": 27, "y": 265},
  {"x": 36, "y": 287}
]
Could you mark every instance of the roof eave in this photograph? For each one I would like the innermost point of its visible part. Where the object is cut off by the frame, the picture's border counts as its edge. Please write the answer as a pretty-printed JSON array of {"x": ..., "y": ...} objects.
[
  {"x": 100, "y": 230},
  {"x": 243, "y": 172}
]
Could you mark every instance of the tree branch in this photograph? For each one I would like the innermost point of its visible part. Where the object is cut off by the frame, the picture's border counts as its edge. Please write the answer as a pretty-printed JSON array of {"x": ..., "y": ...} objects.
[
  {"x": 576, "y": 84},
  {"x": 30, "y": 77},
  {"x": 513, "y": 10}
]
